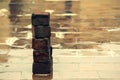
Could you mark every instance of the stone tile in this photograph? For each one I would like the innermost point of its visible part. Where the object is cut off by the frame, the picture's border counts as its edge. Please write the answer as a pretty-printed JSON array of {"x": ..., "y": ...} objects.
[
  {"x": 20, "y": 52},
  {"x": 26, "y": 75},
  {"x": 76, "y": 79},
  {"x": 64, "y": 52},
  {"x": 109, "y": 78},
  {"x": 89, "y": 53},
  {"x": 18, "y": 67},
  {"x": 117, "y": 67},
  {"x": 104, "y": 67},
  {"x": 106, "y": 59},
  {"x": 10, "y": 75},
  {"x": 86, "y": 59},
  {"x": 86, "y": 67},
  {"x": 97, "y": 52},
  {"x": 55, "y": 60},
  {"x": 65, "y": 67},
  {"x": 64, "y": 59},
  {"x": 109, "y": 74},
  {"x": 20, "y": 60},
  {"x": 109, "y": 46},
  {"x": 81, "y": 75},
  {"x": 117, "y": 52},
  {"x": 75, "y": 59},
  {"x": 56, "y": 75},
  {"x": 2, "y": 67}
]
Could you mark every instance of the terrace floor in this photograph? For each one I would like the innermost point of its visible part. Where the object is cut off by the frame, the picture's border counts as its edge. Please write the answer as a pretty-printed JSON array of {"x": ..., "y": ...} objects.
[{"x": 68, "y": 64}]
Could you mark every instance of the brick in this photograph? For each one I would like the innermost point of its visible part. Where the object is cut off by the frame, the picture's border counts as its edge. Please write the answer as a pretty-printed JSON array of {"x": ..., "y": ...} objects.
[
  {"x": 40, "y": 43},
  {"x": 41, "y": 32},
  {"x": 40, "y": 19},
  {"x": 42, "y": 68},
  {"x": 41, "y": 56}
]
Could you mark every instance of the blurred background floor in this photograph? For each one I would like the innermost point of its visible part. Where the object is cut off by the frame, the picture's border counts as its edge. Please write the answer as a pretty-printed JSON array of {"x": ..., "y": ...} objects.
[{"x": 75, "y": 24}]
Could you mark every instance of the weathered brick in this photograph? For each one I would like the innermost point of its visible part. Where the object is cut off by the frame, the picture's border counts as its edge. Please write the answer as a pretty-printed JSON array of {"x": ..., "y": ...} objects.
[{"x": 40, "y": 43}]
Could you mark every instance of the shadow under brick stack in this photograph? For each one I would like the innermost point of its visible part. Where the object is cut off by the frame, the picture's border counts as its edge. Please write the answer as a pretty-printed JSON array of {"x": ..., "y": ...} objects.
[{"x": 42, "y": 50}]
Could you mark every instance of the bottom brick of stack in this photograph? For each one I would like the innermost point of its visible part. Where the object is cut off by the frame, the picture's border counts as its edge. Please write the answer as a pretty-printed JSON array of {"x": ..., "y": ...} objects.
[
  {"x": 43, "y": 62},
  {"x": 45, "y": 67}
]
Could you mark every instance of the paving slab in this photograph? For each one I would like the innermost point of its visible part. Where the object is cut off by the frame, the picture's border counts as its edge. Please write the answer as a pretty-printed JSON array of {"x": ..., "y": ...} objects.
[
  {"x": 65, "y": 66},
  {"x": 10, "y": 75}
]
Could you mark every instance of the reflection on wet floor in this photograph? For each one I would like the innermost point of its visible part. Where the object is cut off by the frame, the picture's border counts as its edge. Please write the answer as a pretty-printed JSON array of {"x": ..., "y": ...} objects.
[
  {"x": 87, "y": 17},
  {"x": 43, "y": 77}
]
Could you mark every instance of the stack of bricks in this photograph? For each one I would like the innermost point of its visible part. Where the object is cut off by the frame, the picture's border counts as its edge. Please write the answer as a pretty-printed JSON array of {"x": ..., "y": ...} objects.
[{"x": 42, "y": 50}]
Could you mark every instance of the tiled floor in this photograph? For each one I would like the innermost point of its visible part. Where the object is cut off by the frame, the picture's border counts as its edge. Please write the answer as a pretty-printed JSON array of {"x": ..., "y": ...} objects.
[
  {"x": 69, "y": 64},
  {"x": 92, "y": 37}
]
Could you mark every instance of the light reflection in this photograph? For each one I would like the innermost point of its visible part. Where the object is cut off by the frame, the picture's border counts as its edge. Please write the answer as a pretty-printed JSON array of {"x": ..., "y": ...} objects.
[{"x": 42, "y": 77}]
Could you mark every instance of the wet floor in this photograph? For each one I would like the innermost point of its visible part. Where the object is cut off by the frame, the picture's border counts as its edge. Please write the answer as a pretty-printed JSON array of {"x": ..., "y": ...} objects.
[
  {"x": 86, "y": 40},
  {"x": 68, "y": 64},
  {"x": 87, "y": 17}
]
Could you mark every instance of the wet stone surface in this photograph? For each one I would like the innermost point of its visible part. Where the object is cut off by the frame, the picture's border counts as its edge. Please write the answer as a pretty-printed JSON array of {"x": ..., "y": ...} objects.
[
  {"x": 86, "y": 45},
  {"x": 81, "y": 64}
]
